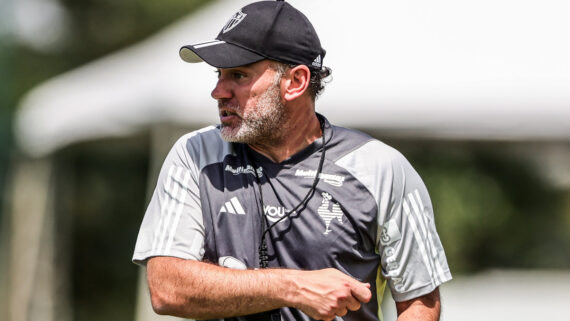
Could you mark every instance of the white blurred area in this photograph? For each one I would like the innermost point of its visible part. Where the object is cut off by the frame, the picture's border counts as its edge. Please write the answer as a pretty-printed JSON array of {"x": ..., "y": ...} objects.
[
  {"x": 498, "y": 295},
  {"x": 446, "y": 70},
  {"x": 39, "y": 24}
]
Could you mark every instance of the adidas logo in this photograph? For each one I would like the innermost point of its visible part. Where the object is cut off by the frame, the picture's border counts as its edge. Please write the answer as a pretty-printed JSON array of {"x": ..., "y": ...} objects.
[
  {"x": 233, "y": 207},
  {"x": 317, "y": 62}
]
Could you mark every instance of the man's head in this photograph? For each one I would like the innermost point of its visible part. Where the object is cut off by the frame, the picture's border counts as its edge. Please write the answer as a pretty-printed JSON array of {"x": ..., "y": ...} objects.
[{"x": 267, "y": 55}]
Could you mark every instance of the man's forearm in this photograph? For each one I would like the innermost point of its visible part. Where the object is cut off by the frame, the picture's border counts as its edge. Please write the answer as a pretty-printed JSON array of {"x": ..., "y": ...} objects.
[
  {"x": 424, "y": 308},
  {"x": 200, "y": 290}
]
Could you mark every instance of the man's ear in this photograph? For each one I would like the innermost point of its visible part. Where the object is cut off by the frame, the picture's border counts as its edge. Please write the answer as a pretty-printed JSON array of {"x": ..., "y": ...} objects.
[{"x": 297, "y": 82}]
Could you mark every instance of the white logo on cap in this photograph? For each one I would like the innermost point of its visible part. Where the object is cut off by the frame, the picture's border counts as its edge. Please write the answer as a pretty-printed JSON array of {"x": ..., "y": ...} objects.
[
  {"x": 317, "y": 62},
  {"x": 234, "y": 21}
]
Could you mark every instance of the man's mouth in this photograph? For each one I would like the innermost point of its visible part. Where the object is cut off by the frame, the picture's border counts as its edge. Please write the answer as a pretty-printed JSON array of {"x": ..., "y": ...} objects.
[{"x": 227, "y": 115}]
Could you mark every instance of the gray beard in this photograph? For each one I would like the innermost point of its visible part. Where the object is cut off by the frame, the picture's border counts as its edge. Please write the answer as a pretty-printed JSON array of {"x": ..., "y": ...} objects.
[{"x": 265, "y": 125}]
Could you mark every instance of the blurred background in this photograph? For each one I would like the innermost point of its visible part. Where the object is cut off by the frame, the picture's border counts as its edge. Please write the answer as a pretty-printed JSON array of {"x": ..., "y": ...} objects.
[{"x": 93, "y": 95}]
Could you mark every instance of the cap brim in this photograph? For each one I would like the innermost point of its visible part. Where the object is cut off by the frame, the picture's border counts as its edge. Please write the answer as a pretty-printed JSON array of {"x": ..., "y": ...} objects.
[{"x": 219, "y": 54}]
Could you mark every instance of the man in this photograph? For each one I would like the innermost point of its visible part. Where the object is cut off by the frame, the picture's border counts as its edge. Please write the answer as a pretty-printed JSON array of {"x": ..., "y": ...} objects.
[{"x": 276, "y": 214}]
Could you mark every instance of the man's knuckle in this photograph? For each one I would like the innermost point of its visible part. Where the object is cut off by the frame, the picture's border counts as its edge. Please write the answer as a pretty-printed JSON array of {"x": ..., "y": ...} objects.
[{"x": 354, "y": 307}]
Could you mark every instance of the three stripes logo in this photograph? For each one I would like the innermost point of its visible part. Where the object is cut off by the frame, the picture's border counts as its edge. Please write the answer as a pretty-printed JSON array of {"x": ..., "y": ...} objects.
[
  {"x": 234, "y": 21},
  {"x": 421, "y": 225},
  {"x": 176, "y": 189},
  {"x": 317, "y": 62},
  {"x": 232, "y": 206}
]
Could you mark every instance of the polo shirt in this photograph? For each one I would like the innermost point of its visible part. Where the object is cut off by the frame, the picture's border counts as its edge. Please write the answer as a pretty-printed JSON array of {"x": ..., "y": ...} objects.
[{"x": 370, "y": 215}]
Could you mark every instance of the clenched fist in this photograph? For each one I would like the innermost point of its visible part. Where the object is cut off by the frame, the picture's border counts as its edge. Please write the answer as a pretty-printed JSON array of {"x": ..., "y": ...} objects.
[{"x": 325, "y": 294}]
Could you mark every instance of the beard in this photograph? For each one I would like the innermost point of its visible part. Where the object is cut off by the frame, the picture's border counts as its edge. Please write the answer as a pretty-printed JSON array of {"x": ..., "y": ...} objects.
[{"x": 263, "y": 125}]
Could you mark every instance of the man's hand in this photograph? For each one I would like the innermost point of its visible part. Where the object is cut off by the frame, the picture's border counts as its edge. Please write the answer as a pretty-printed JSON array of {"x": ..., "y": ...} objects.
[
  {"x": 423, "y": 308},
  {"x": 200, "y": 290},
  {"x": 325, "y": 294}
]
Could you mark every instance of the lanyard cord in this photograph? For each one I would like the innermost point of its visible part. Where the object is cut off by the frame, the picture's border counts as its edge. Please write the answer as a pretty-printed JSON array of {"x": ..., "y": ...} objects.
[{"x": 262, "y": 250}]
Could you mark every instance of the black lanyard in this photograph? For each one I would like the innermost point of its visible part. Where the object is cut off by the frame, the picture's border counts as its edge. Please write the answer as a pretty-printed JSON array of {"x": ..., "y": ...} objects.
[{"x": 262, "y": 249}]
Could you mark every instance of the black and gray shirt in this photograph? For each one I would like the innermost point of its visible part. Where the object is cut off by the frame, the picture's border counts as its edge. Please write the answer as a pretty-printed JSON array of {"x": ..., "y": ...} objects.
[{"x": 370, "y": 215}]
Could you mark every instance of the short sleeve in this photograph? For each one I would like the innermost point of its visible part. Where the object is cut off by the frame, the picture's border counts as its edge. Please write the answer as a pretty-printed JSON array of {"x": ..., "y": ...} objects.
[
  {"x": 412, "y": 256},
  {"x": 173, "y": 223}
]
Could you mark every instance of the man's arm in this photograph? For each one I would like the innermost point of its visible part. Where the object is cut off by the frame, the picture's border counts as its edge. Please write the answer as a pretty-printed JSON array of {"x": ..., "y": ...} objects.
[
  {"x": 423, "y": 308},
  {"x": 199, "y": 290}
]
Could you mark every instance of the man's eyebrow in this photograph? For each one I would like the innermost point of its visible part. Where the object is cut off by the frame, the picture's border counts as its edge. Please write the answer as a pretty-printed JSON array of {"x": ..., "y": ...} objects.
[{"x": 229, "y": 68}]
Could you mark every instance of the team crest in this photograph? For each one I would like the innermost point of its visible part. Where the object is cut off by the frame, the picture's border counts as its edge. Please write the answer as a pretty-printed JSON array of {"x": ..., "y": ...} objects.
[
  {"x": 329, "y": 210},
  {"x": 234, "y": 21}
]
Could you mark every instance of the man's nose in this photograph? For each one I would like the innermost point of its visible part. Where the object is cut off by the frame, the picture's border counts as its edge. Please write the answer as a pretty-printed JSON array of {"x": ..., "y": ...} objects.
[{"x": 222, "y": 90}]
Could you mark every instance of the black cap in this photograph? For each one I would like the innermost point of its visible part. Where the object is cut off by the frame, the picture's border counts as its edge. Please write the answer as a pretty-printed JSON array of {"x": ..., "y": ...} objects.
[{"x": 261, "y": 30}]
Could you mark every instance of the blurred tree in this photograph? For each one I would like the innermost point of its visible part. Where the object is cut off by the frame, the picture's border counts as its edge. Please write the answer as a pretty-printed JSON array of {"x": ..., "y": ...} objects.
[
  {"x": 102, "y": 26},
  {"x": 6, "y": 101},
  {"x": 102, "y": 191}
]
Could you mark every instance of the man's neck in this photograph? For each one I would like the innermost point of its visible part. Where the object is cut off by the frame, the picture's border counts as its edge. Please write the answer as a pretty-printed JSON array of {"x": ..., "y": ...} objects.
[{"x": 300, "y": 132}]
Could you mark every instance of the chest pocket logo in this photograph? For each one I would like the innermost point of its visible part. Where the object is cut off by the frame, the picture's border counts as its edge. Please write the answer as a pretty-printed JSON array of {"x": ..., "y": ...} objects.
[
  {"x": 232, "y": 206},
  {"x": 329, "y": 210}
]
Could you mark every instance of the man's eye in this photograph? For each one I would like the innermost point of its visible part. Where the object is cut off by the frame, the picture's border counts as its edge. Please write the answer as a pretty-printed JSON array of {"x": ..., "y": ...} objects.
[{"x": 238, "y": 75}]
